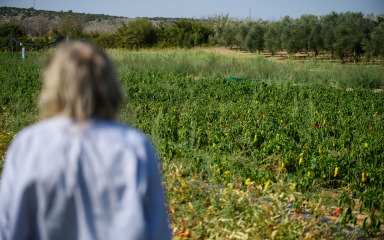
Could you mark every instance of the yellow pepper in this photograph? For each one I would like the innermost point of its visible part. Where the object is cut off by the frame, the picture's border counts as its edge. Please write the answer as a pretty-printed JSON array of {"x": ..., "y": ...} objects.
[
  {"x": 336, "y": 171},
  {"x": 248, "y": 182}
]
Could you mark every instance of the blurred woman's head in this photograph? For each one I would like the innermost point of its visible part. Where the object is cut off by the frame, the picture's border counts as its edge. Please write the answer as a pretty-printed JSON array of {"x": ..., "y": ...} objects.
[{"x": 80, "y": 82}]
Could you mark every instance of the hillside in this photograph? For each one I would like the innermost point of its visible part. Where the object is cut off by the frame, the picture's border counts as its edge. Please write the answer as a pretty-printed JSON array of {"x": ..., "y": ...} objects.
[{"x": 35, "y": 21}]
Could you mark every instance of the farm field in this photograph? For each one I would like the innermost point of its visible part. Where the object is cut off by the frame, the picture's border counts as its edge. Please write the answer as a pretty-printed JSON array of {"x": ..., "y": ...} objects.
[{"x": 293, "y": 150}]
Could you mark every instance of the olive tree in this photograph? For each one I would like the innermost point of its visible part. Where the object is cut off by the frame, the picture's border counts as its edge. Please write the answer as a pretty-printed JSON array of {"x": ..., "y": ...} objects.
[{"x": 254, "y": 40}]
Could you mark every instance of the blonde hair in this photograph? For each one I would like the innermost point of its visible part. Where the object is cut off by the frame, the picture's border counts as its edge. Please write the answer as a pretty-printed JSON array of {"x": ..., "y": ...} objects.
[{"x": 80, "y": 82}]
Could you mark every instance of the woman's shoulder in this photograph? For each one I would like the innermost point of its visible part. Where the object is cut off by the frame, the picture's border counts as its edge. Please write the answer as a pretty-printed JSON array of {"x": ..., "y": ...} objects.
[
  {"x": 40, "y": 129},
  {"x": 65, "y": 128},
  {"x": 115, "y": 138},
  {"x": 115, "y": 130}
]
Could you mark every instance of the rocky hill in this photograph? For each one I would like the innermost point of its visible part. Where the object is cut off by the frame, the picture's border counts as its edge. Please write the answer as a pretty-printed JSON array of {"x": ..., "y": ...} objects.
[{"x": 37, "y": 22}]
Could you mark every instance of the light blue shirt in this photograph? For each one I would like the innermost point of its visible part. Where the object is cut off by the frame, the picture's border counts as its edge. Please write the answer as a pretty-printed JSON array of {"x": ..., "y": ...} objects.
[{"x": 99, "y": 180}]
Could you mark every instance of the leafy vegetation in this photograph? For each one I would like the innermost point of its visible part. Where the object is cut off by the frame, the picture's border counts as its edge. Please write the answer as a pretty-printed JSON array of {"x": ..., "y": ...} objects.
[
  {"x": 347, "y": 36},
  {"x": 344, "y": 35},
  {"x": 242, "y": 158}
]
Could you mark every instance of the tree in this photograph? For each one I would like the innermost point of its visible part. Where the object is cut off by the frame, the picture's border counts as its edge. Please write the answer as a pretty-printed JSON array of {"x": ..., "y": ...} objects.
[
  {"x": 164, "y": 36},
  {"x": 375, "y": 46},
  {"x": 380, "y": 18},
  {"x": 242, "y": 32},
  {"x": 315, "y": 39},
  {"x": 328, "y": 25},
  {"x": 229, "y": 32},
  {"x": 218, "y": 24},
  {"x": 70, "y": 26},
  {"x": 350, "y": 33},
  {"x": 200, "y": 34},
  {"x": 137, "y": 34},
  {"x": 104, "y": 40},
  {"x": 13, "y": 30},
  {"x": 255, "y": 37},
  {"x": 307, "y": 32},
  {"x": 291, "y": 39},
  {"x": 272, "y": 37},
  {"x": 183, "y": 31}
]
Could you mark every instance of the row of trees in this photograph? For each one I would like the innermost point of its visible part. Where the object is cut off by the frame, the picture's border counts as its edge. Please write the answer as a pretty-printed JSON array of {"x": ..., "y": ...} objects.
[
  {"x": 140, "y": 33},
  {"x": 342, "y": 35},
  {"x": 143, "y": 33}
]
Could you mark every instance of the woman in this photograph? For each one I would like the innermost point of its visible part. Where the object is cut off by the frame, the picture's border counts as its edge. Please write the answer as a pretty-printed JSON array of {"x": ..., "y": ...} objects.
[{"x": 78, "y": 174}]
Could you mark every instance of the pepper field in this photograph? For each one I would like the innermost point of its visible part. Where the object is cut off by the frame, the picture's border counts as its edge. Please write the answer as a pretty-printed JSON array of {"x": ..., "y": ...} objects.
[{"x": 245, "y": 159}]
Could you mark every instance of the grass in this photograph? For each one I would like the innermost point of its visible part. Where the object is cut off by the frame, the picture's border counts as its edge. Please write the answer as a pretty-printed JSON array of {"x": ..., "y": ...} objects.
[{"x": 204, "y": 63}]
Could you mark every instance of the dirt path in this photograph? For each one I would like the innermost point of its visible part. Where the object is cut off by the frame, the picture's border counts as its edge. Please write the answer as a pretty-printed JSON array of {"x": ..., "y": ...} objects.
[{"x": 281, "y": 56}]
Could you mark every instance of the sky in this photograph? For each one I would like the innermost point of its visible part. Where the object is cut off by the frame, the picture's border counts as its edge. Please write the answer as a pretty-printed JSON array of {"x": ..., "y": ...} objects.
[{"x": 256, "y": 9}]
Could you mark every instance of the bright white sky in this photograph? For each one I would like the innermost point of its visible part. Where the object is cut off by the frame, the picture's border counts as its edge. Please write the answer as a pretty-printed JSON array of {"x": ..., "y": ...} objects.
[{"x": 264, "y": 9}]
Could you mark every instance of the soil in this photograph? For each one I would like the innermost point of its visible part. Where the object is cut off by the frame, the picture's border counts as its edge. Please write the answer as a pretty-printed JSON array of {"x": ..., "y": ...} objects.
[{"x": 284, "y": 56}]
